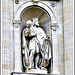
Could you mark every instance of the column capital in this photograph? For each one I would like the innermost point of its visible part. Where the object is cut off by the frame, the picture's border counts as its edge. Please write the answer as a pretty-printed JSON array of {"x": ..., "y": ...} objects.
[
  {"x": 16, "y": 22},
  {"x": 54, "y": 26}
]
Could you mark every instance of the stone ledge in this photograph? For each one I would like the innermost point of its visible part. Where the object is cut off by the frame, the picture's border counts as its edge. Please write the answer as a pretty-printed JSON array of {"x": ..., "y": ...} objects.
[
  {"x": 36, "y": 71},
  {"x": 23, "y": 73}
]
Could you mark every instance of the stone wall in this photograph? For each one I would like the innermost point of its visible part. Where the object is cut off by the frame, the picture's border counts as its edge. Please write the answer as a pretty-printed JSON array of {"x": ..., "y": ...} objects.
[
  {"x": 59, "y": 15},
  {"x": 68, "y": 36},
  {"x": 63, "y": 11},
  {"x": 7, "y": 37}
]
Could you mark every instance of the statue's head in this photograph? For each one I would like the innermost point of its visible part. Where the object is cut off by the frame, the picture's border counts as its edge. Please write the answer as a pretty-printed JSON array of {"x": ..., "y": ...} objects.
[
  {"x": 29, "y": 23},
  {"x": 35, "y": 21}
]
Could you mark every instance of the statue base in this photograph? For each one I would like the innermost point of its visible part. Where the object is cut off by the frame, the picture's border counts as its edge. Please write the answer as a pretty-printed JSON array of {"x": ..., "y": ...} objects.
[
  {"x": 36, "y": 71},
  {"x": 23, "y": 73}
]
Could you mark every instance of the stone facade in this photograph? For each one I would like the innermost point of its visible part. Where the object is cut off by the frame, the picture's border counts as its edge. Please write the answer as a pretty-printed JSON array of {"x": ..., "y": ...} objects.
[
  {"x": 7, "y": 49},
  {"x": 68, "y": 36},
  {"x": 63, "y": 10}
]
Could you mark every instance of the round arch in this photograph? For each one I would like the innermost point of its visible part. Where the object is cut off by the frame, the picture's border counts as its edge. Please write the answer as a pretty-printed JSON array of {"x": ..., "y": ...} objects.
[{"x": 40, "y": 4}]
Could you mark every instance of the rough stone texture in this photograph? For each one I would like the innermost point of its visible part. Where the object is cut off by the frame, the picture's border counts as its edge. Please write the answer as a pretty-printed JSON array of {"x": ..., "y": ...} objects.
[
  {"x": 7, "y": 37},
  {"x": 68, "y": 36},
  {"x": 58, "y": 13}
]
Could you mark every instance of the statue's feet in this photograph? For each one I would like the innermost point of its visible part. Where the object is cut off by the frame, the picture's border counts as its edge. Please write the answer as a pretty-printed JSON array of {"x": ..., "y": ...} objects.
[
  {"x": 29, "y": 67},
  {"x": 43, "y": 68},
  {"x": 37, "y": 67}
]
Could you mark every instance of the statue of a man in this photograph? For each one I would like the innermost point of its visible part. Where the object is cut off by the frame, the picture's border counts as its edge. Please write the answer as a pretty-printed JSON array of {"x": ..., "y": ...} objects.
[
  {"x": 34, "y": 38},
  {"x": 25, "y": 43},
  {"x": 38, "y": 42},
  {"x": 30, "y": 44},
  {"x": 47, "y": 50}
]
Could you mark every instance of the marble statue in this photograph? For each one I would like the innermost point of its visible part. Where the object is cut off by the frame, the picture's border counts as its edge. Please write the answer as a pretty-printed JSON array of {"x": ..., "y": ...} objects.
[
  {"x": 36, "y": 46},
  {"x": 47, "y": 50},
  {"x": 25, "y": 41}
]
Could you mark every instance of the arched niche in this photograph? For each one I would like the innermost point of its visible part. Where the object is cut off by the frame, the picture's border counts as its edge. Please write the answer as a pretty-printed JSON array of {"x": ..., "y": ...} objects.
[
  {"x": 35, "y": 11},
  {"x": 19, "y": 24},
  {"x": 44, "y": 22},
  {"x": 39, "y": 4}
]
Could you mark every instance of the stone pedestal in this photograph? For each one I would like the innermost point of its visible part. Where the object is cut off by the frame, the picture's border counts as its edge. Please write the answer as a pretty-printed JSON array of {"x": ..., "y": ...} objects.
[
  {"x": 36, "y": 71},
  {"x": 23, "y": 73}
]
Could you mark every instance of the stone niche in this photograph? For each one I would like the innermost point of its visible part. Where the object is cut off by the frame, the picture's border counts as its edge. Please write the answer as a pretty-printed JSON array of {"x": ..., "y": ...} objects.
[{"x": 47, "y": 21}]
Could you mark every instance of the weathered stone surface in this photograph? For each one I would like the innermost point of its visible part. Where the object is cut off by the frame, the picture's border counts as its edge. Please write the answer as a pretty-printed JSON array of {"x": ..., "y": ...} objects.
[{"x": 68, "y": 36}]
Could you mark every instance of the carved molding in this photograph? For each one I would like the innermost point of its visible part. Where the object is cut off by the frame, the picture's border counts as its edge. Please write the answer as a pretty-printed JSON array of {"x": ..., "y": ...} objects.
[
  {"x": 17, "y": 1},
  {"x": 54, "y": 26},
  {"x": 16, "y": 22},
  {"x": 53, "y": 4},
  {"x": 41, "y": 4},
  {"x": 35, "y": 1}
]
